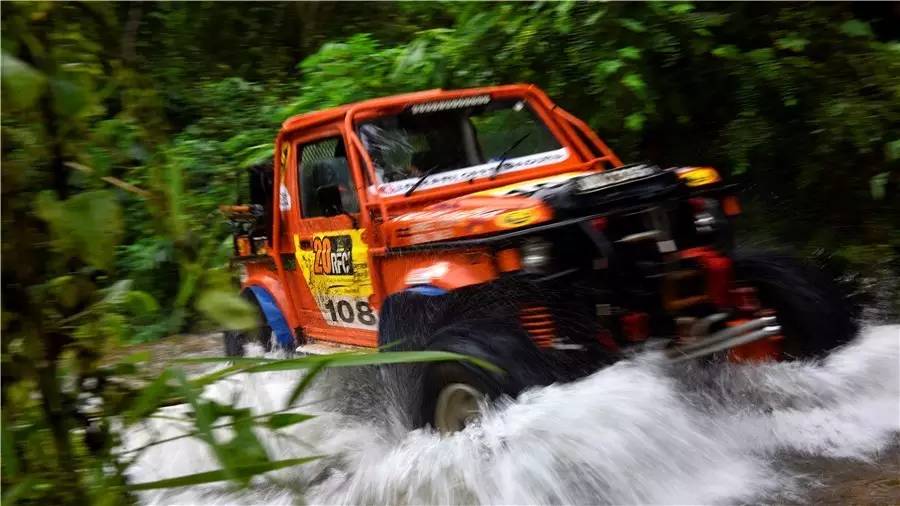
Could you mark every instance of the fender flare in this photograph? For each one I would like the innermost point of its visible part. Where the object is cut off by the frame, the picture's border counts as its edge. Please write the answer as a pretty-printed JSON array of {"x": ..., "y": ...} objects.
[
  {"x": 444, "y": 276},
  {"x": 274, "y": 316}
]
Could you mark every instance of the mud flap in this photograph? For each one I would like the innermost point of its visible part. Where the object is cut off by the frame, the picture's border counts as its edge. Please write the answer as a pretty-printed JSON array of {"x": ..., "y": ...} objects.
[{"x": 274, "y": 318}]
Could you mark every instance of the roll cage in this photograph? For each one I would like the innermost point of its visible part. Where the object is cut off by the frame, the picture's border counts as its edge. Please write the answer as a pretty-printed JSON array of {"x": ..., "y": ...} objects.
[{"x": 570, "y": 131}]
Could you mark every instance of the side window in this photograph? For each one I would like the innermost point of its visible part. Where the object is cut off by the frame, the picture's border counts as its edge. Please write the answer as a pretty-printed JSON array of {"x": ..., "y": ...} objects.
[{"x": 323, "y": 164}]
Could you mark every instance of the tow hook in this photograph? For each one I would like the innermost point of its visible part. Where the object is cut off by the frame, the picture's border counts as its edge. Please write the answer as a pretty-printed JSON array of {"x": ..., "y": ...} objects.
[{"x": 724, "y": 339}]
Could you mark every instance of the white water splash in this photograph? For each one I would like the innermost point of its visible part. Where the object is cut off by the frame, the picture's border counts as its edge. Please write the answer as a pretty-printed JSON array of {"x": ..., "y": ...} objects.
[{"x": 638, "y": 432}]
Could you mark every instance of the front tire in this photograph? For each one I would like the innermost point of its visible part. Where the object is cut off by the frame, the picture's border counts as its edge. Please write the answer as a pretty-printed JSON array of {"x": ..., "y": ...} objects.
[
  {"x": 454, "y": 395},
  {"x": 448, "y": 395},
  {"x": 814, "y": 314}
]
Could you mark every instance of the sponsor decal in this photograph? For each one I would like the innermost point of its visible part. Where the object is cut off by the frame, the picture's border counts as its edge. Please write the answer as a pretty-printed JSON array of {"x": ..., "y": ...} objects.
[
  {"x": 427, "y": 231},
  {"x": 474, "y": 172},
  {"x": 352, "y": 312},
  {"x": 336, "y": 270},
  {"x": 325, "y": 265},
  {"x": 448, "y": 216},
  {"x": 333, "y": 255},
  {"x": 284, "y": 198},
  {"x": 517, "y": 218},
  {"x": 699, "y": 176},
  {"x": 285, "y": 150},
  {"x": 529, "y": 188}
]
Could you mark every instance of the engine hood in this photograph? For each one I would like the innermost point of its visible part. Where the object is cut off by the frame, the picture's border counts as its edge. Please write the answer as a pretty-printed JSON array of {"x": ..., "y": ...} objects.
[{"x": 480, "y": 213}]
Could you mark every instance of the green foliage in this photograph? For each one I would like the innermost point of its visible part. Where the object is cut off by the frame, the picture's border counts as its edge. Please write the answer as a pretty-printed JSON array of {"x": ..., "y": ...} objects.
[
  {"x": 109, "y": 231},
  {"x": 227, "y": 308},
  {"x": 802, "y": 104},
  {"x": 86, "y": 226},
  {"x": 125, "y": 125},
  {"x": 22, "y": 85}
]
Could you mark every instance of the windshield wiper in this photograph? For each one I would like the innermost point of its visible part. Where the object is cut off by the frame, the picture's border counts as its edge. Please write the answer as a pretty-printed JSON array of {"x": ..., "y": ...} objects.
[
  {"x": 505, "y": 155},
  {"x": 494, "y": 172},
  {"x": 420, "y": 180}
]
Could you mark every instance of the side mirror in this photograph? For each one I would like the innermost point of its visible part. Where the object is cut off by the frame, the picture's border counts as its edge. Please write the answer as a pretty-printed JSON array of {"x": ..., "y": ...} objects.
[{"x": 330, "y": 202}]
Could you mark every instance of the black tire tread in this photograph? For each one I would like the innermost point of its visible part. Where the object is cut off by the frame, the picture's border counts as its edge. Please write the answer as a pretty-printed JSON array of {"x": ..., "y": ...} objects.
[
  {"x": 234, "y": 340},
  {"x": 814, "y": 313}
]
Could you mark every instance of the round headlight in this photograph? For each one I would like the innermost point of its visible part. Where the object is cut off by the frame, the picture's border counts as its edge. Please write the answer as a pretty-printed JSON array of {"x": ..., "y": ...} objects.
[{"x": 535, "y": 255}]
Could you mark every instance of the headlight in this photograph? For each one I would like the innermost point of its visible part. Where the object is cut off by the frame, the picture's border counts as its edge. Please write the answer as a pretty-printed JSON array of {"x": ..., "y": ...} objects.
[
  {"x": 698, "y": 176},
  {"x": 535, "y": 255}
]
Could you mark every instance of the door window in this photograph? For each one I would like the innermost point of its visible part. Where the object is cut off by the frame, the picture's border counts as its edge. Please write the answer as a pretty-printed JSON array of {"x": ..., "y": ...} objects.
[{"x": 323, "y": 164}]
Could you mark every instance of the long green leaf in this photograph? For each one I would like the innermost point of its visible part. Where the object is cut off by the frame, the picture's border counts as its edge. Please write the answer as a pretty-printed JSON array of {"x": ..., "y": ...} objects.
[
  {"x": 150, "y": 398},
  {"x": 361, "y": 359},
  {"x": 218, "y": 360},
  {"x": 281, "y": 420},
  {"x": 221, "y": 475},
  {"x": 350, "y": 359}
]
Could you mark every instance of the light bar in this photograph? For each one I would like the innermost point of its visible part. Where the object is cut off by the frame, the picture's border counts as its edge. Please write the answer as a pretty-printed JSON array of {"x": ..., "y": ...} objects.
[{"x": 456, "y": 103}]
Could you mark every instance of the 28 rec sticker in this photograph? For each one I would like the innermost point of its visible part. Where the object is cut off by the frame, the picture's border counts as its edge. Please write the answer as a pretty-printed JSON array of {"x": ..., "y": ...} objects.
[{"x": 348, "y": 312}]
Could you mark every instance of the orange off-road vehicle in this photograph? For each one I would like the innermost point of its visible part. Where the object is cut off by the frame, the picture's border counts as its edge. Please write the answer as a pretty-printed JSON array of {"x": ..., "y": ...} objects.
[{"x": 493, "y": 223}]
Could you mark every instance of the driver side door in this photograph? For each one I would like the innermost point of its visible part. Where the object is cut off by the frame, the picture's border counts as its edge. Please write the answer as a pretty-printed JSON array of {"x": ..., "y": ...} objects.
[{"x": 330, "y": 247}]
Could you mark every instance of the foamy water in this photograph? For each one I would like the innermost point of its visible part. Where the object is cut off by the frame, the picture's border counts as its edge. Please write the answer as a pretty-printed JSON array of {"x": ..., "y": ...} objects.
[{"x": 639, "y": 432}]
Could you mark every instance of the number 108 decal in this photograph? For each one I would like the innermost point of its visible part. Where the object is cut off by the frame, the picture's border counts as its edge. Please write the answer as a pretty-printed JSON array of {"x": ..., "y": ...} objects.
[{"x": 349, "y": 312}]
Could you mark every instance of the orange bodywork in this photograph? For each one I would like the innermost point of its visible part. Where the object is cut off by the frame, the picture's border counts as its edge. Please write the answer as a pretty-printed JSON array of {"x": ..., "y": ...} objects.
[{"x": 329, "y": 275}]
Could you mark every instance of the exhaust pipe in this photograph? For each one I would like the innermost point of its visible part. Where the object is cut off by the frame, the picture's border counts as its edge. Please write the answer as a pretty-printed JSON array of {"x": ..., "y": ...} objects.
[{"x": 753, "y": 330}]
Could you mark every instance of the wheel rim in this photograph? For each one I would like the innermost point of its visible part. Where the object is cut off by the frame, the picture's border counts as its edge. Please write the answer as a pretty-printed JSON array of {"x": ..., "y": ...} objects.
[{"x": 457, "y": 404}]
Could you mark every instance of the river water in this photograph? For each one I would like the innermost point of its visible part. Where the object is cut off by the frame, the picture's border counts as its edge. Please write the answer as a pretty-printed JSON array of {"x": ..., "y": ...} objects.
[{"x": 639, "y": 432}]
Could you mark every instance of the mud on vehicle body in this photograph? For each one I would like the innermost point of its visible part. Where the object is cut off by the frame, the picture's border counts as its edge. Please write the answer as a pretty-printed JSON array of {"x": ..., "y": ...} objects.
[{"x": 493, "y": 223}]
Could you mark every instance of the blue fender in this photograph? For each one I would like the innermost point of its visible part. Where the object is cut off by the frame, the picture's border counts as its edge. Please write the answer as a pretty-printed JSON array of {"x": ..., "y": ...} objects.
[
  {"x": 428, "y": 290},
  {"x": 283, "y": 333}
]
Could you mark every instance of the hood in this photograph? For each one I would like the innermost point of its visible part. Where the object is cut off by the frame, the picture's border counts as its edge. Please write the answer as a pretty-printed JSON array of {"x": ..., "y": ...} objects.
[{"x": 480, "y": 213}]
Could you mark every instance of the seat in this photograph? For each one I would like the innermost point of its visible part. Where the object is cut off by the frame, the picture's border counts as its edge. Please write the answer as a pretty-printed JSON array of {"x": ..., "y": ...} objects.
[{"x": 330, "y": 171}]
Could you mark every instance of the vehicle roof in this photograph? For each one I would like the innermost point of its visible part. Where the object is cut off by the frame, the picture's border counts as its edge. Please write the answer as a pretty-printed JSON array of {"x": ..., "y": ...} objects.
[{"x": 336, "y": 113}]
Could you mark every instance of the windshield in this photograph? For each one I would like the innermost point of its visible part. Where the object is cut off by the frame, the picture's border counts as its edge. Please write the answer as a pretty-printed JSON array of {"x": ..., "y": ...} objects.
[{"x": 457, "y": 144}]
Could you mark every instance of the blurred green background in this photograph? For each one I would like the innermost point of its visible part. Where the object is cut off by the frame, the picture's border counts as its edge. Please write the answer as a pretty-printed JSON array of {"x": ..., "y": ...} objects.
[
  {"x": 125, "y": 125},
  {"x": 801, "y": 102}
]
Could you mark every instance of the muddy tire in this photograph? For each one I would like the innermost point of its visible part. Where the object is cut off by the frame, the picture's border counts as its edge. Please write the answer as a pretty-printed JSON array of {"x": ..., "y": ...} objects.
[
  {"x": 234, "y": 340},
  {"x": 815, "y": 315},
  {"x": 416, "y": 322},
  {"x": 453, "y": 394}
]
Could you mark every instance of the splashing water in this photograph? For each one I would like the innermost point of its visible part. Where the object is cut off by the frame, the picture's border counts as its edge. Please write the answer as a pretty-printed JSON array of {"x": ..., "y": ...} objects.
[{"x": 638, "y": 432}]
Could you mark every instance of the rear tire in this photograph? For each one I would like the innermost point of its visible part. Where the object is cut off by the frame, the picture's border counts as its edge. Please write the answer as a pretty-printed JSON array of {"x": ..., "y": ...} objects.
[
  {"x": 814, "y": 314},
  {"x": 235, "y": 340}
]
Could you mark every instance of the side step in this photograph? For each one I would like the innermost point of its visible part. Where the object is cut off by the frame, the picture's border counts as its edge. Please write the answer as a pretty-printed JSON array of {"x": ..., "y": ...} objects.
[
  {"x": 724, "y": 339},
  {"x": 326, "y": 348}
]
